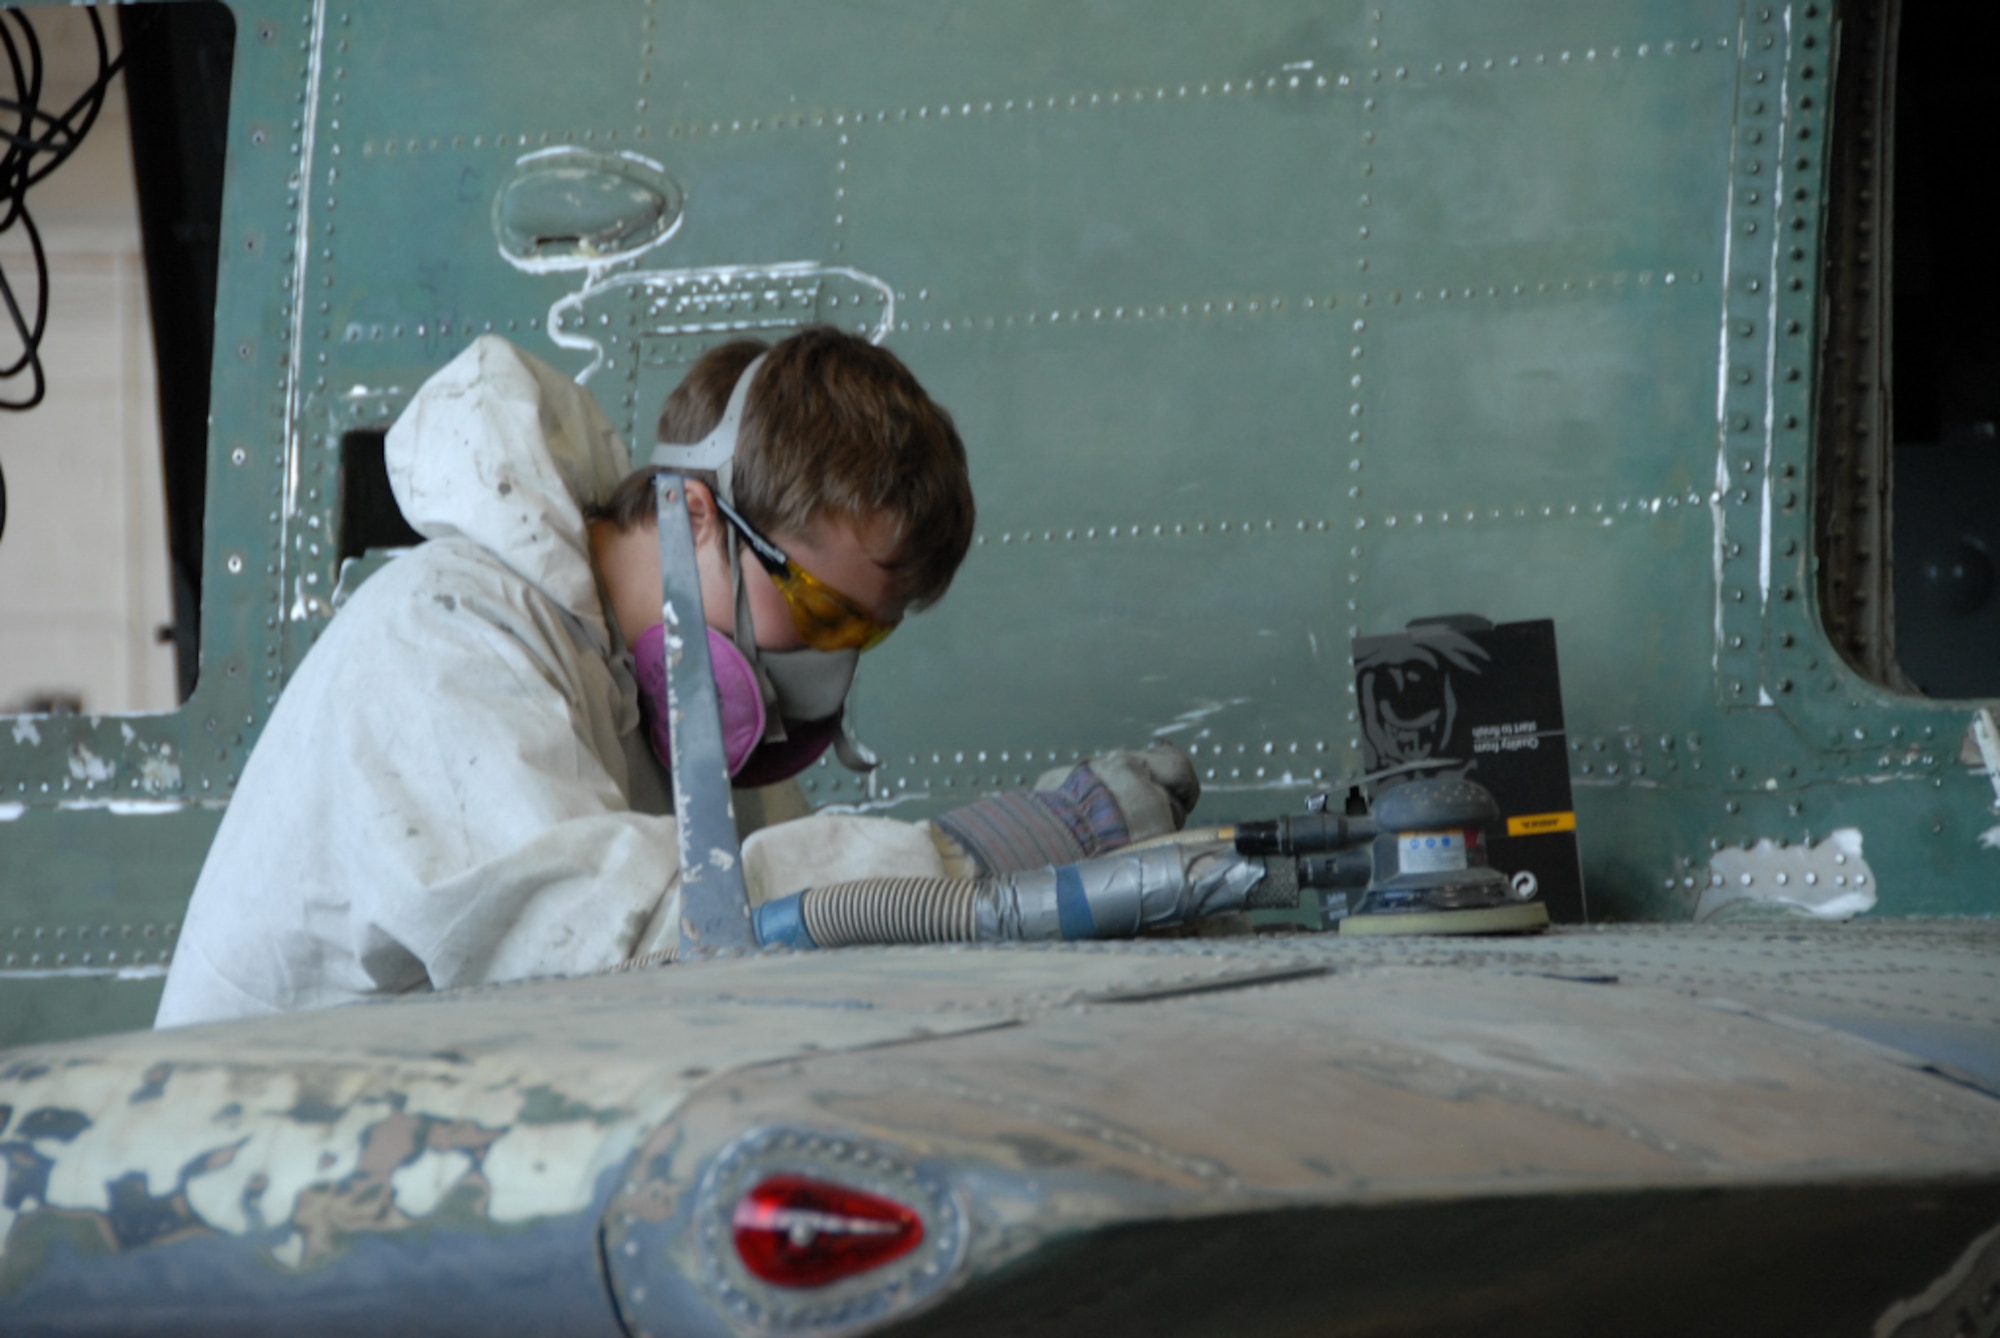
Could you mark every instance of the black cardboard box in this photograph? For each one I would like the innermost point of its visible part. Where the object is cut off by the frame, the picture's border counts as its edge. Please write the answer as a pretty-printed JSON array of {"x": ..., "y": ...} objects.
[{"x": 1489, "y": 699}]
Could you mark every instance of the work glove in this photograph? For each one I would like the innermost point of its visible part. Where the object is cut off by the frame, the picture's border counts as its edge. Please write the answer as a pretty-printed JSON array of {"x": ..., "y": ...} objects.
[{"x": 1110, "y": 801}]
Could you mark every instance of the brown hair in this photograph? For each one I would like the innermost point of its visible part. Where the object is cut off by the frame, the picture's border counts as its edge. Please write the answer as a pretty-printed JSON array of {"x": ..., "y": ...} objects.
[{"x": 834, "y": 426}]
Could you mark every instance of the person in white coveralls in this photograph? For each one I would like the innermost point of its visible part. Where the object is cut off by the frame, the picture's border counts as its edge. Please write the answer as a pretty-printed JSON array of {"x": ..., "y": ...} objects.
[{"x": 464, "y": 780}]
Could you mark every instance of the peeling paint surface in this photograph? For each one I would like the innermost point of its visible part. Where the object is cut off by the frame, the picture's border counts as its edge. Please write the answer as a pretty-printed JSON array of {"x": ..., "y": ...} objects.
[
  {"x": 158, "y": 770},
  {"x": 85, "y": 765},
  {"x": 362, "y": 1120},
  {"x": 1829, "y": 880},
  {"x": 1056, "y": 1091}
]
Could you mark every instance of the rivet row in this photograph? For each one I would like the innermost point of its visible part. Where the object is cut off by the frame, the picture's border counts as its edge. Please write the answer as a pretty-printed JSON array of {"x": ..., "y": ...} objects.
[
  {"x": 509, "y": 141},
  {"x": 1292, "y": 80},
  {"x": 359, "y": 332},
  {"x": 57, "y": 960},
  {"x": 906, "y": 787},
  {"x": 1597, "y": 512},
  {"x": 1574, "y": 56},
  {"x": 1280, "y": 304},
  {"x": 1259, "y": 305},
  {"x": 1286, "y": 83},
  {"x": 89, "y": 933},
  {"x": 1160, "y": 530},
  {"x": 1616, "y": 281}
]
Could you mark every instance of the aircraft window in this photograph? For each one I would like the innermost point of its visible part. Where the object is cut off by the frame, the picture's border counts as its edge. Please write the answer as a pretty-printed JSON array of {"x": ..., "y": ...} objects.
[
  {"x": 369, "y": 516},
  {"x": 1909, "y": 536},
  {"x": 108, "y": 227},
  {"x": 1946, "y": 351}
]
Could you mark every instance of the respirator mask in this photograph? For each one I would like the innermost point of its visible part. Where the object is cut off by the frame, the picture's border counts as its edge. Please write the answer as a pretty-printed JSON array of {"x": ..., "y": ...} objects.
[{"x": 780, "y": 709}]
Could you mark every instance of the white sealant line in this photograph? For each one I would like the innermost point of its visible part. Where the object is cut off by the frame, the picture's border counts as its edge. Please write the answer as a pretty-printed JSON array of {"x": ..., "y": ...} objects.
[
  {"x": 1196, "y": 715},
  {"x": 1986, "y": 734},
  {"x": 596, "y": 283},
  {"x": 130, "y": 807},
  {"x": 1722, "y": 379},
  {"x": 147, "y": 972},
  {"x": 594, "y": 267},
  {"x": 295, "y": 356},
  {"x": 1771, "y": 365}
]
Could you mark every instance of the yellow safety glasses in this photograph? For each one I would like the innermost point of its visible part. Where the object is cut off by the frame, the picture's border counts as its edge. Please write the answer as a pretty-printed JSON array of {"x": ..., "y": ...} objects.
[{"x": 825, "y": 618}]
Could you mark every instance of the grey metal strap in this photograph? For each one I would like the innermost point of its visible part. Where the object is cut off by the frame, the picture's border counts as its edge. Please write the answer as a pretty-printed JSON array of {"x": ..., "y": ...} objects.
[
  {"x": 714, "y": 452},
  {"x": 715, "y": 909}
]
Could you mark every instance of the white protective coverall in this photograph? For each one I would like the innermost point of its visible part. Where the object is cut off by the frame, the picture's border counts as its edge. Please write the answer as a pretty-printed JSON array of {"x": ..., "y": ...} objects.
[{"x": 455, "y": 787}]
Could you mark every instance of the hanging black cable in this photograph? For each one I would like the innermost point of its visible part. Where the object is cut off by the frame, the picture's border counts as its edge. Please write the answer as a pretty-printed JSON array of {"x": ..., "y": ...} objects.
[{"x": 37, "y": 142}]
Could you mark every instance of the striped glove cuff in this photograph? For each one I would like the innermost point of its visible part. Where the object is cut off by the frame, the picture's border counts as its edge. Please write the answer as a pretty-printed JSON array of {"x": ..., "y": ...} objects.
[{"x": 1033, "y": 829}]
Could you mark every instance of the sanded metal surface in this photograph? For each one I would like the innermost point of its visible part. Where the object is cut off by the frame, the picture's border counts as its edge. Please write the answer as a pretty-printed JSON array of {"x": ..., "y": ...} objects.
[
  {"x": 1662, "y": 1056},
  {"x": 1056, "y": 1090}
]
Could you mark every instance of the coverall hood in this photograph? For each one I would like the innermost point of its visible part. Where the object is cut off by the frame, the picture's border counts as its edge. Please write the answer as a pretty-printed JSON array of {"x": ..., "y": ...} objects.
[{"x": 498, "y": 447}]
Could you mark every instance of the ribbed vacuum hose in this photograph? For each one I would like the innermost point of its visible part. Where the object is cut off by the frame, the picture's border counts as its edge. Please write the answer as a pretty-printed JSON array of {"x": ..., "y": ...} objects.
[
  {"x": 893, "y": 910},
  {"x": 1108, "y": 896}
]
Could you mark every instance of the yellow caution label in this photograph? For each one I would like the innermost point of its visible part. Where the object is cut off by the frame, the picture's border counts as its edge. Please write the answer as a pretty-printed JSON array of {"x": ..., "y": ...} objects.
[{"x": 1534, "y": 824}]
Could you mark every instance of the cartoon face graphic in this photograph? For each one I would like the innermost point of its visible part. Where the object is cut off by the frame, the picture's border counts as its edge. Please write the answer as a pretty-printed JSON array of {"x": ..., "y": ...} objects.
[{"x": 1409, "y": 707}]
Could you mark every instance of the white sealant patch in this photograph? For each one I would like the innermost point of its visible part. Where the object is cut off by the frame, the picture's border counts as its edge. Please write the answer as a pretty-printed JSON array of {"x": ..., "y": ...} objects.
[
  {"x": 160, "y": 773},
  {"x": 84, "y": 973},
  {"x": 1197, "y": 716},
  {"x": 12, "y": 812},
  {"x": 1990, "y": 838},
  {"x": 1829, "y": 881},
  {"x": 1986, "y": 736},
  {"x": 26, "y": 731},
  {"x": 84, "y": 765},
  {"x": 130, "y": 807},
  {"x": 158, "y": 770}
]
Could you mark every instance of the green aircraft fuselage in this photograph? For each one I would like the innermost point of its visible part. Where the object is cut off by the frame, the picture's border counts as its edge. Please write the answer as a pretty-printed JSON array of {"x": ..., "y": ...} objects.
[{"x": 1267, "y": 325}]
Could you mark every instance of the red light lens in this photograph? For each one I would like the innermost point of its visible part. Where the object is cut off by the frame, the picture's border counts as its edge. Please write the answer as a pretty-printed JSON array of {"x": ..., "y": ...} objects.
[{"x": 795, "y": 1232}]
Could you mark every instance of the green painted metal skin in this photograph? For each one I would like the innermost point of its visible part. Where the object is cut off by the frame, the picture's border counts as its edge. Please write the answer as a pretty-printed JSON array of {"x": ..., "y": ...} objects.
[{"x": 1266, "y": 325}]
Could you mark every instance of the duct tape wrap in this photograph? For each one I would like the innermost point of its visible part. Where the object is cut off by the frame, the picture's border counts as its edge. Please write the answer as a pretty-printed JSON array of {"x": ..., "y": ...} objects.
[{"x": 1119, "y": 895}]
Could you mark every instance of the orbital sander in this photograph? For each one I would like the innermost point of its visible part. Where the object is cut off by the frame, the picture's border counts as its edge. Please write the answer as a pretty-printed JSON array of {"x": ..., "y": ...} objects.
[{"x": 1415, "y": 865}]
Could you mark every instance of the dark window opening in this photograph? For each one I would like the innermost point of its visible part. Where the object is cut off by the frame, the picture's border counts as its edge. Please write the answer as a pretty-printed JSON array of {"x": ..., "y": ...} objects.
[
  {"x": 112, "y": 128},
  {"x": 1946, "y": 351},
  {"x": 177, "y": 65},
  {"x": 369, "y": 516},
  {"x": 1908, "y": 474}
]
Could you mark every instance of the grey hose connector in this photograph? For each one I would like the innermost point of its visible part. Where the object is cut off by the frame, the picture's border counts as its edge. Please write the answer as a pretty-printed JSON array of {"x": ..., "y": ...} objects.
[{"x": 1111, "y": 896}]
